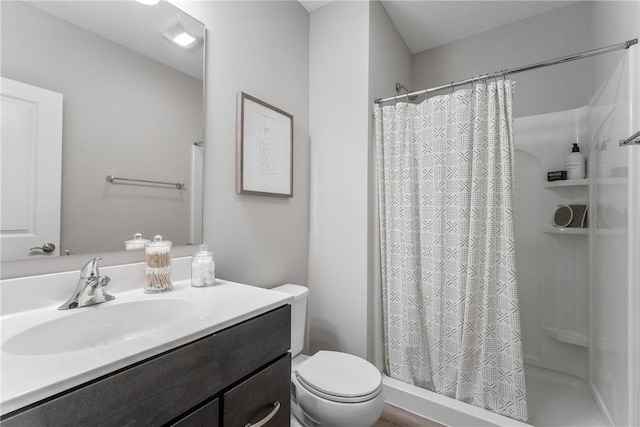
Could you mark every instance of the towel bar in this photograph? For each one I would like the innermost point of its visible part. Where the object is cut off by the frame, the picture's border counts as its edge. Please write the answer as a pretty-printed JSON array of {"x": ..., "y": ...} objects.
[
  {"x": 112, "y": 179},
  {"x": 632, "y": 140}
]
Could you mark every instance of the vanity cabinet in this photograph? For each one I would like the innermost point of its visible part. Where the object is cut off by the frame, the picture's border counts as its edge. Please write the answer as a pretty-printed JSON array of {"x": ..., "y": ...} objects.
[
  {"x": 206, "y": 415},
  {"x": 260, "y": 397},
  {"x": 230, "y": 378}
]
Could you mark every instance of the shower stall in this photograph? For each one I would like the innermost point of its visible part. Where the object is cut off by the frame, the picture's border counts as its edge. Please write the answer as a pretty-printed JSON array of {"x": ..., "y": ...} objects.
[{"x": 578, "y": 287}]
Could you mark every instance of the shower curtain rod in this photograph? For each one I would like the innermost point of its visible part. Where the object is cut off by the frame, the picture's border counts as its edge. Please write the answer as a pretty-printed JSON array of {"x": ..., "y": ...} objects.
[{"x": 625, "y": 45}]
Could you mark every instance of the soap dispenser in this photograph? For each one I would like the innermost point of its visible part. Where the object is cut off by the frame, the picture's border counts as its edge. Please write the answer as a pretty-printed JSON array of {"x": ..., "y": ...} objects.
[
  {"x": 203, "y": 268},
  {"x": 576, "y": 164}
]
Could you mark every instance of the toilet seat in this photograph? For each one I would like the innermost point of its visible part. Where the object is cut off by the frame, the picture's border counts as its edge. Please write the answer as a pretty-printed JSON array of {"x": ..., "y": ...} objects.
[{"x": 339, "y": 377}]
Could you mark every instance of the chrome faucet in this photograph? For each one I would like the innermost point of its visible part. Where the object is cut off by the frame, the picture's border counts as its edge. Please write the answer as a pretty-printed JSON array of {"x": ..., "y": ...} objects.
[{"x": 90, "y": 289}]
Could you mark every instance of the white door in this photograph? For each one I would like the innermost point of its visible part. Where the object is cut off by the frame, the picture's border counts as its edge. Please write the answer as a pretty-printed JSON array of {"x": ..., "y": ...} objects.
[{"x": 31, "y": 164}]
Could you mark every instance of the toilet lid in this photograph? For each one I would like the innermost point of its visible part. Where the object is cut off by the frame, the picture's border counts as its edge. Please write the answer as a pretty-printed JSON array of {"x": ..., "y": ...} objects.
[{"x": 339, "y": 376}]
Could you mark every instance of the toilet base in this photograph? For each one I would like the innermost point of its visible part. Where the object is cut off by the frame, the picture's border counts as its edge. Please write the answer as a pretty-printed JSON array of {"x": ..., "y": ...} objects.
[
  {"x": 298, "y": 419},
  {"x": 294, "y": 422},
  {"x": 313, "y": 411}
]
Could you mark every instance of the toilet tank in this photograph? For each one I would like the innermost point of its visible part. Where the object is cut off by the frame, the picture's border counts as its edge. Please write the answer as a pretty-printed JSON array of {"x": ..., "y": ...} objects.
[{"x": 298, "y": 314}]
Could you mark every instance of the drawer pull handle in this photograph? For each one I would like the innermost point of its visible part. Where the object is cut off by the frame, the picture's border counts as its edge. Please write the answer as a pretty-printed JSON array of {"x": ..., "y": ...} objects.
[{"x": 265, "y": 420}]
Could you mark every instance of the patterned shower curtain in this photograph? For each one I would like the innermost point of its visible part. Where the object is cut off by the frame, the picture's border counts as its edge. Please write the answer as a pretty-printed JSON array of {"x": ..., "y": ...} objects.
[{"x": 450, "y": 304}]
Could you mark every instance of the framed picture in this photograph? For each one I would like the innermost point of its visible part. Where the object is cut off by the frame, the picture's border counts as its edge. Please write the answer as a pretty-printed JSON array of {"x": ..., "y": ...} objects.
[{"x": 264, "y": 148}]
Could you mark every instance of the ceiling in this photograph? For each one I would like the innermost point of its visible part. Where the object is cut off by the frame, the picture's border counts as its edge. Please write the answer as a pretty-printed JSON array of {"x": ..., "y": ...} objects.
[
  {"x": 134, "y": 26},
  {"x": 427, "y": 24},
  {"x": 423, "y": 24},
  {"x": 312, "y": 5}
]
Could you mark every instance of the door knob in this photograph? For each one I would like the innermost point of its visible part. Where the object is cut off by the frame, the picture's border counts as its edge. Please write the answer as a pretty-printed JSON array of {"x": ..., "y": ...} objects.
[{"x": 46, "y": 248}]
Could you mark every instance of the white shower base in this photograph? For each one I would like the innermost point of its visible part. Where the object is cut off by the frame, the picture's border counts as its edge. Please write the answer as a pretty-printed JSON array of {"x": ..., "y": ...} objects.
[
  {"x": 557, "y": 399},
  {"x": 554, "y": 399}
]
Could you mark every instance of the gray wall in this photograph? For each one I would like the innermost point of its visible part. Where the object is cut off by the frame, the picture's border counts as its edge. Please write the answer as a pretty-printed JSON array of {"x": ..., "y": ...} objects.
[
  {"x": 122, "y": 134},
  {"x": 551, "y": 35},
  {"x": 339, "y": 104},
  {"x": 260, "y": 48},
  {"x": 356, "y": 55}
]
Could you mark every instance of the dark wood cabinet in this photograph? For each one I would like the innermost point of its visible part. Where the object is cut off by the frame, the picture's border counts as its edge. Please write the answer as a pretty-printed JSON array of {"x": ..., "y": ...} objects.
[
  {"x": 264, "y": 395},
  {"x": 207, "y": 415},
  {"x": 237, "y": 371}
]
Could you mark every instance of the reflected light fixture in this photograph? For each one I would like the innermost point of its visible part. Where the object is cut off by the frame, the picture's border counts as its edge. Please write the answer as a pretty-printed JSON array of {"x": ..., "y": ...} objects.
[
  {"x": 148, "y": 2},
  {"x": 184, "y": 39},
  {"x": 178, "y": 34}
]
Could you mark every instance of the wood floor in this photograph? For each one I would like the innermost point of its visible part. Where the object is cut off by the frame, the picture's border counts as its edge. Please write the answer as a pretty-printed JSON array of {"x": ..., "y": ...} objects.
[{"x": 392, "y": 416}]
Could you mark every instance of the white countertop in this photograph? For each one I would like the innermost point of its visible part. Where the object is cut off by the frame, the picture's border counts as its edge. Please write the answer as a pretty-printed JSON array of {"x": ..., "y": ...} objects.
[{"x": 28, "y": 378}]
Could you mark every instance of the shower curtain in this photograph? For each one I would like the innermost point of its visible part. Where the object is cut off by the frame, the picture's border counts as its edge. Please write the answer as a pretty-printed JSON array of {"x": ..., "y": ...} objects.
[{"x": 445, "y": 191}]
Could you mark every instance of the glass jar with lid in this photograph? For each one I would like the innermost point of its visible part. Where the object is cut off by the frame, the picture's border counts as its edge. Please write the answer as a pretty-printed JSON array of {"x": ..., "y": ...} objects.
[
  {"x": 137, "y": 242},
  {"x": 157, "y": 265},
  {"x": 203, "y": 267}
]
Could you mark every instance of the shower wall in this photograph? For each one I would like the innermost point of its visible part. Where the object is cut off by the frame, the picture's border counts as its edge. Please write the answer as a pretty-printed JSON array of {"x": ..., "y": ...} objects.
[
  {"x": 552, "y": 266},
  {"x": 614, "y": 298}
]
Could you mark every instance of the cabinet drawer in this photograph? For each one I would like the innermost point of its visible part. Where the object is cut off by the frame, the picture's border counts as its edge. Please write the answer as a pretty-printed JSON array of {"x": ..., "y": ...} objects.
[
  {"x": 160, "y": 389},
  {"x": 206, "y": 416},
  {"x": 253, "y": 399}
]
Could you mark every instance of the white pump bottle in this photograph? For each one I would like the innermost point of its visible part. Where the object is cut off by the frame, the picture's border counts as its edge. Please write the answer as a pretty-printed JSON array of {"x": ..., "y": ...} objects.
[{"x": 576, "y": 164}]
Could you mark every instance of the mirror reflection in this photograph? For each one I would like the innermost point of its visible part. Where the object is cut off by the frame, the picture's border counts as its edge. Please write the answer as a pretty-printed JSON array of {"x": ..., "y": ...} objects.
[{"x": 92, "y": 89}]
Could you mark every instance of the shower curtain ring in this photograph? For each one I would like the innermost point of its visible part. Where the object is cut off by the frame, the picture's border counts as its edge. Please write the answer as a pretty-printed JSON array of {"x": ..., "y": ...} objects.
[{"x": 451, "y": 88}]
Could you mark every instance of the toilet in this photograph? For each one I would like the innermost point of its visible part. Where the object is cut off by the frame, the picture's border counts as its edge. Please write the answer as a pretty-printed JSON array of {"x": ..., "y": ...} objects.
[{"x": 329, "y": 388}]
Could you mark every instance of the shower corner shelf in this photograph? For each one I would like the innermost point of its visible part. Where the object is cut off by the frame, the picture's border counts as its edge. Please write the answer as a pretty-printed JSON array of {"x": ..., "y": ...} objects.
[
  {"x": 560, "y": 230},
  {"x": 569, "y": 337}
]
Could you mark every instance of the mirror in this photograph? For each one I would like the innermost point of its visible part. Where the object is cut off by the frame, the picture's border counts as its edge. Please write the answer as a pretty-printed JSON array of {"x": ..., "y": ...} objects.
[{"x": 129, "y": 104}]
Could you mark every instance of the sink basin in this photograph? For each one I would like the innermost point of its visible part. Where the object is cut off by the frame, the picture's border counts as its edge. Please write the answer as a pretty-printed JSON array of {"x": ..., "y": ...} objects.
[{"x": 100, "y": 325}]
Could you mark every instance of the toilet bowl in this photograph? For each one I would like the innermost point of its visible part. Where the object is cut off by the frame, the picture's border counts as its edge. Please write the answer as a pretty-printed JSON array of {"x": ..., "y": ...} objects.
[{"x": 329, "y": 388}]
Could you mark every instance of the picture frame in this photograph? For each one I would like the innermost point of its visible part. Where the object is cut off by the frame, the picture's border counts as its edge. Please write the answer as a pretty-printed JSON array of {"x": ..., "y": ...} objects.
[{"x": 264, "y": 143}]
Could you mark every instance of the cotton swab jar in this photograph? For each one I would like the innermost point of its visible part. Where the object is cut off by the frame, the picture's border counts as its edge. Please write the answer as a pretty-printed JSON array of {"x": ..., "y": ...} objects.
[{"x": 157, "y": 266}]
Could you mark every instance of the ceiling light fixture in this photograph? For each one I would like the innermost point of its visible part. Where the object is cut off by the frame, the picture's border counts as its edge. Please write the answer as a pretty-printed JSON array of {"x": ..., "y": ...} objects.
[
  {"x": 178, "y": 34},
  {"x": 148, "y": 2}
]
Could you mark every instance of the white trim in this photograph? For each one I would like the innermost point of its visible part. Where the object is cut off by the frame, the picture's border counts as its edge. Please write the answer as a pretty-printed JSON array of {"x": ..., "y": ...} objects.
[
  {"x": 440, "y": 408},
  {"x": 634, "y": 246}
]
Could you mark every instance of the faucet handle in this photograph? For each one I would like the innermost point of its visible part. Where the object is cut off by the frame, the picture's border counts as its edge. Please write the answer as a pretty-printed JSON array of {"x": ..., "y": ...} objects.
[
  {"x": 103, "y": 281},
  {"x": 91, "y": 268}
]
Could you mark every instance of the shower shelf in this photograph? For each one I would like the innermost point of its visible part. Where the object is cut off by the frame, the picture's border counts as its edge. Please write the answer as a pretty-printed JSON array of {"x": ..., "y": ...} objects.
[
  {"x": 585, "y": 182},
  {"x": 568, "y": 183},
  {"x": 612, "y": 181},
  {"x": 560, "y": 230},
  {"x": 612, "y": 231},
  {"x": 568, "y": 337}
]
